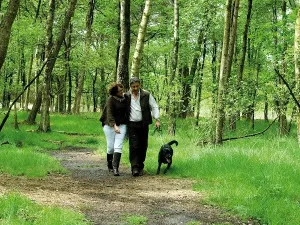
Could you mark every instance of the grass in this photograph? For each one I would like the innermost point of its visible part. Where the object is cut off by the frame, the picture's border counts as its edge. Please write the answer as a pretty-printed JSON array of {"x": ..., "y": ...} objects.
[
  {"x": 134, "y": 220},
  {"x": 16, "y": 209},
  {"x": 255, "y": 177}
]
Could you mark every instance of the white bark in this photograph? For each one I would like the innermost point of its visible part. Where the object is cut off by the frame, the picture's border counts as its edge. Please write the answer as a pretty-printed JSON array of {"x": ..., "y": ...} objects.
[
  {"x": 297, "y": 66},
  {"x": 136, "y": 61}
]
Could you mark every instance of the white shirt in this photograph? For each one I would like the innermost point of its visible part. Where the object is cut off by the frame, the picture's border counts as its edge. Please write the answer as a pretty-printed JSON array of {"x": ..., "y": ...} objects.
[{"x": 136, "y": 111}]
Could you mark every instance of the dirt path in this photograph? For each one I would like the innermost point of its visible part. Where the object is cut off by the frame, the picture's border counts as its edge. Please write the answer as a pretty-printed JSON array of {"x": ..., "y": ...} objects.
[{"x": 106, "y": 199}]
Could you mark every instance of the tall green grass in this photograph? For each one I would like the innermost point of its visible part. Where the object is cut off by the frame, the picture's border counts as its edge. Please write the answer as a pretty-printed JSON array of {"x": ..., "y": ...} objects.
[
  {"x": 16, "y": 209},
  {"x": 255, "y": 177},
  {"x": 25, "y": 152}
]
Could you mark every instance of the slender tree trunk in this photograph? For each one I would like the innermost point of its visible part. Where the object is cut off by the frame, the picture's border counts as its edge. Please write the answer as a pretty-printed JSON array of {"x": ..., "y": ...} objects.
[
  {"x": 223, "y": 80},
  {"x": 103, "y": 92},
  {"x": 139, "y": 47},
  {"x": 38, "y": 91},
  {"x": 79, "y": 91},
  {"x": 38, "y": 10},
  {"x": 51, "y": 54},
  {"x": 236, "y": 115},
  {"x": 172, "y": 99},
  {"x": 297, "y": 68},
  {"x": 68, "y": 41},
  {"x": 94, "y": 91},
  {"x": 214, "y": 78},
  {"x": 124, "y": 50},
  {"x": 186, "y": 91},
  {"x": 200, "y": 83},
  {"x": 188, "y": 78},
  {"x": 5, "y": 28},
  {"x": 283, "y": 123},
  {"x": 28, "y": 79}
]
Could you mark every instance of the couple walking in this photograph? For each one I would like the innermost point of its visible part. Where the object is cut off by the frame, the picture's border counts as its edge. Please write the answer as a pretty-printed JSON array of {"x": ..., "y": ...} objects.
[{"x": 129, "y": 113}]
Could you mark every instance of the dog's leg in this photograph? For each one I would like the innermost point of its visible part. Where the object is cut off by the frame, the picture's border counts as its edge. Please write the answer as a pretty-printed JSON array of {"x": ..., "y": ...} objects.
[
  {"x": 158, "y": 168},
  {"x": 168, "y": 167}
]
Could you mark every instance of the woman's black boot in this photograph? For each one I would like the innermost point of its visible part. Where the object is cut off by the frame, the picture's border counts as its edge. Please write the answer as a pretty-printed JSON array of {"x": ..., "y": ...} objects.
[
  {"x": 116, "y": 163},
  {"x": 109, "y": 158}
]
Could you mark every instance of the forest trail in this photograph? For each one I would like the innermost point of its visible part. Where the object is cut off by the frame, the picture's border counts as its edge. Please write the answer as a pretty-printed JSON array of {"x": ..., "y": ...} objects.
[{"x": 107, "y": 200}]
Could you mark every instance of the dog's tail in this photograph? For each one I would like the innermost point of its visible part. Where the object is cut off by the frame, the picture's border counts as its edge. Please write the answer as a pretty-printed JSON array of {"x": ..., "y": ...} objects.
[{"x": 173, "y": 142}]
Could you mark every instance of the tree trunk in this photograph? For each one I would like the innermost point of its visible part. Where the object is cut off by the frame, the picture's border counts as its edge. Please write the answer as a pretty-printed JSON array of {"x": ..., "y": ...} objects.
[
  {"x": 172, "y": 100},
  {"x": 138, "y": 52},
  {"x": 186, "y": 91},
  {"x": 68, "y": 74},
  {"x": 124, "y": 50},
  {"x": 88, "y": 27},
  {"x": 38, "y": 93},
  {"x": 51, "y": 54},
  {"x": 28, "y": 79},
  {"x": 5, "y": 28},
  {"x": 283, "y": 124},
  {"x": 35, "y": 109},
  {"x": 200, "y": 82},
  {"x": 223, "y": 80},
  {"x": 94, "y": 91},
  {"x": 297, "y": 68},
  {"x": 189, "y": 78},
  {"x": 236, "y": 114}
]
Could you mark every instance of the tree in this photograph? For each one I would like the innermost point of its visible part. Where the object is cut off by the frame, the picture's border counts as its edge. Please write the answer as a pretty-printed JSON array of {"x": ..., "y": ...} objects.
[
  {"x": 52, "y": 50},
  {"x": 138, "y": 52},
  {"x": 86, "y": 51},
  {"x": 226, "y": 61},
  {"x": 297, "y": 67},
  {"x": 5, "y": 28},
  {"x": 173, "y": 102},
  {"x": 123, "y": 60}
]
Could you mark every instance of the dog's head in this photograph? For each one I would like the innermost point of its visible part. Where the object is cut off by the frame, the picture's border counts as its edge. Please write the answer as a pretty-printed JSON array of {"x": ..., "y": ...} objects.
[{"x": 166, "y": 152}]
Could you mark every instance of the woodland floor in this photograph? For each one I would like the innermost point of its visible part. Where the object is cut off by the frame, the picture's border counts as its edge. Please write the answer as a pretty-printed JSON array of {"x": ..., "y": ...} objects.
[{"x": 107, "y": 200}]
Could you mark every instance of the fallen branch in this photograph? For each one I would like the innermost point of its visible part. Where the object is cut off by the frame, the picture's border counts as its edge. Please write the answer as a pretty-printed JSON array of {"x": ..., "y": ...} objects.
[
  {"x": 251, "y": 135},
  {"x": 5, "y": 143},
  {"x": 74, "y": 133}
]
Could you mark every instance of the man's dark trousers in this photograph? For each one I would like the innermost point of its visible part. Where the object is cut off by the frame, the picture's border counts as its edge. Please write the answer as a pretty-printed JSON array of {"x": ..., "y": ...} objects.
[{"x": 138, "y": 144}]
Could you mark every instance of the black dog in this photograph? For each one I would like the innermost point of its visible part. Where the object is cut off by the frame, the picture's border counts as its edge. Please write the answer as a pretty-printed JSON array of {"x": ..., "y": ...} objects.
[{"x": 165, "y": 155}]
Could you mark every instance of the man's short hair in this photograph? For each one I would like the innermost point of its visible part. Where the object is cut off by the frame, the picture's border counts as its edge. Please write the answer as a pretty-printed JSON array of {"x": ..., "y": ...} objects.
[{"x": 134, "y": 80}]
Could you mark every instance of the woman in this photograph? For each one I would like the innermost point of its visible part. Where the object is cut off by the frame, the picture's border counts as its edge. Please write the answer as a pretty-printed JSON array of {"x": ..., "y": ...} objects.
[{"x": 114, "y": 121}]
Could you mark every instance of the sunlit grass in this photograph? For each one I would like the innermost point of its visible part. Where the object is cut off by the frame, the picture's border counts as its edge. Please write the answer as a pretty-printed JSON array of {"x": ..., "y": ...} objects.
[
  {"x": 17, "y": 161},
  {"x": 16, "y": 209},
  {"x": 255, "y": 177}
]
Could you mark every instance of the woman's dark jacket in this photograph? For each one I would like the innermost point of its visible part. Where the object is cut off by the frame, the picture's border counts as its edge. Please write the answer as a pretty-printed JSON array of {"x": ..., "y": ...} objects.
[{"x": 115, "y": 111}]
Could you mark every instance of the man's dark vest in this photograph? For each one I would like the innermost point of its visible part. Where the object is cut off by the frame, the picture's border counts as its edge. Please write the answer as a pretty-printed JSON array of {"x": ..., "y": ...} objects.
[{"x": 144, "y": 101}]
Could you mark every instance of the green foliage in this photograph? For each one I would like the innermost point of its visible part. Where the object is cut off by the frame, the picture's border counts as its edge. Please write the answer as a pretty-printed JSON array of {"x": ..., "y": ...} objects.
[{"x": 16, "y": 209}]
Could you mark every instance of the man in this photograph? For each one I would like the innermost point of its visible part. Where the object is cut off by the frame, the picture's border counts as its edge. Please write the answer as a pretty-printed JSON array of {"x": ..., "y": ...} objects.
[{"x": 142, "y": 106}]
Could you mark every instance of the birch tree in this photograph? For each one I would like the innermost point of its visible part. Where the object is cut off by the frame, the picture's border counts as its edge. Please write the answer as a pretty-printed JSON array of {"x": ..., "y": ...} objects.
[
  {"x": 297, "y": 67},
  {"x": 138, "y": 52}
]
